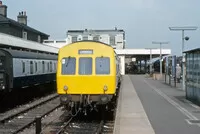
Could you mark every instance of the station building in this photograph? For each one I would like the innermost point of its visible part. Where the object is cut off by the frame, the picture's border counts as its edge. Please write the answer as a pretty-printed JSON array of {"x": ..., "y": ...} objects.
[
  {"x": 114, "y": 37},
  {"x": 19, "y": 28}
]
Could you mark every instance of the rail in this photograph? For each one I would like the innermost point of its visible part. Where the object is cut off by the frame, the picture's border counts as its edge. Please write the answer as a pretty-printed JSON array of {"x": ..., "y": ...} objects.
[{"x": 23, "y": 119}]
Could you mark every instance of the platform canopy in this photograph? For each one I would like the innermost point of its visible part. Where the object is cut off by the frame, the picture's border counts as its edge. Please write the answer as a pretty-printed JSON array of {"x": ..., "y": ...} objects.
[
  {"x": 15, "y": 42},
  {"x": 142, "y": 52}
]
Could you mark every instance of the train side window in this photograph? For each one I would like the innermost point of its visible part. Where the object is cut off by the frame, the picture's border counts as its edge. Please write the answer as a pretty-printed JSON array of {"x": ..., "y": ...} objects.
[
  {"x": 35, "y": 66},
  {"x": 68, "y": 66},
  {"x": 85, "y": 66},
  {"x": 51, "y": 68},
  {"x": 31, "y": 67},
  {"x": 47, "y": 66},
  {"x": 23, "y": 67},
  {"x": 56, "y": 66},
  {"x": 102, "y": 65},
  {"x": 43, "y": 67}
]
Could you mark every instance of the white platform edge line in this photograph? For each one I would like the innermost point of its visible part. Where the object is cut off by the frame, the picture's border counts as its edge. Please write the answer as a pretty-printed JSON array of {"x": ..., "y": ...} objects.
[{"x": 117, "y": 129}]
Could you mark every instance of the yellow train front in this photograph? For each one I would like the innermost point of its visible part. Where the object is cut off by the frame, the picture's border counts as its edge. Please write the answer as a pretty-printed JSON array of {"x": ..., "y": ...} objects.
[{"x": 88, "y": 75}]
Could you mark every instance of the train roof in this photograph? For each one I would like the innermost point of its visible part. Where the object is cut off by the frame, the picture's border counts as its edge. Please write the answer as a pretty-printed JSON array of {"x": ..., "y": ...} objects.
[
  {"x": 28, "y": 54},
  {"x": 92, "y": 41}
]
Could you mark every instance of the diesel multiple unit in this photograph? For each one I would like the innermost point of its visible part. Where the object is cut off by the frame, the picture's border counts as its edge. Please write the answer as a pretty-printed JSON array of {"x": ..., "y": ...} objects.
[{"x": 88, "y": 75}]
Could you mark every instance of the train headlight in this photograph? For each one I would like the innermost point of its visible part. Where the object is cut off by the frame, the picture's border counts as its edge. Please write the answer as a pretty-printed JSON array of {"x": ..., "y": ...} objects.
[
  {"x": 64, "y": 99},
  {"x": 105, "y": 88},
  {"x": 65, "y": 88},
  {"x": 104, "y": 99},
  {"x": 3, "y": 87}
]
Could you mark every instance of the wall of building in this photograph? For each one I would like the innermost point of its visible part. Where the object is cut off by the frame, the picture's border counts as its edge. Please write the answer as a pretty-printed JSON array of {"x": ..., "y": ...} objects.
[
  {"x": 114, "y": 38},
  {"x": 122, "y": 60},
  {"x": 17, "y": 32}
]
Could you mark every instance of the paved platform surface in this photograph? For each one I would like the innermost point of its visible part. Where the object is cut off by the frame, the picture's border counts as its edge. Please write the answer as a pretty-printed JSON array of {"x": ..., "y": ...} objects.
[
  {"x": 166, "y": 107},
  {"x": 131, "y": 117},
  {"x": 147, "y": 106}
]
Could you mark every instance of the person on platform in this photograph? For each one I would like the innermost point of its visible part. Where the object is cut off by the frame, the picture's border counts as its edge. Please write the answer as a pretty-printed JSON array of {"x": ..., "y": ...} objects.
[{"x": 178, "y": 73}]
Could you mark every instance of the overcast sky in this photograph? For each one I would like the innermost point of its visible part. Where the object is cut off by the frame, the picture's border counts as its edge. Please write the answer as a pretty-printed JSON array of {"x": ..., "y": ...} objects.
[{"x": 144, "y": 21}]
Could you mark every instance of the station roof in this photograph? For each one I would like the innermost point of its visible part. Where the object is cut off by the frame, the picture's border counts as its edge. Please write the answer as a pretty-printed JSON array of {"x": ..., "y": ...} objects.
[
  {"x": 12, "y": 41},
  {"x": 142, "y": 51},
  {"x": 192, "y": 50},
  {"x": 91, "y": 30},
  {"x": 5, "y": 20},
  {"x": 28, "y": 55}
]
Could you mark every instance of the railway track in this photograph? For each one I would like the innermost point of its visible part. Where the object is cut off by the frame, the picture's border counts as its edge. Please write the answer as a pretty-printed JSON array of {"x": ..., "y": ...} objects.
[
  {"x": 74, "y": 125},
  {"x": 94, "y": 127},
  {"x": 23, "y": 118}
]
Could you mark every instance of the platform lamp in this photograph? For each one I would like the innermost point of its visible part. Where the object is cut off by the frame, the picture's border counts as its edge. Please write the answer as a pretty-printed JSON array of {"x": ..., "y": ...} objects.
[
  {"x": 150, "y": 66},
  {"x": 183, "y": 39},
  {"x": 154, "y": 42}
]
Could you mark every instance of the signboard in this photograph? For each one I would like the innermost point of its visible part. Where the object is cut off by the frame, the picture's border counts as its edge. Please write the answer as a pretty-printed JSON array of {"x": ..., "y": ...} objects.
[{"x": 85, "y": 51}]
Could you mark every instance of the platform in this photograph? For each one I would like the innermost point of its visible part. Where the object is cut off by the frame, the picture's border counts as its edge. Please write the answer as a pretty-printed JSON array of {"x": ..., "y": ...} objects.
[
  {"x": 167, "y": 109},
  {"x": 131, "y": 117}
]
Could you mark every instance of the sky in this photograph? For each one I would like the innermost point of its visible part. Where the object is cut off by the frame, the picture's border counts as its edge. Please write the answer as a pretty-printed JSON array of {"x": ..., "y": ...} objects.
[{"x": 143, "y": 21}]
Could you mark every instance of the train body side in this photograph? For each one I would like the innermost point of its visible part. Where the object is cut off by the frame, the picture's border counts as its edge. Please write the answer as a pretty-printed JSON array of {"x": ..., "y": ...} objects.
[{"x": 20, "y": 69}]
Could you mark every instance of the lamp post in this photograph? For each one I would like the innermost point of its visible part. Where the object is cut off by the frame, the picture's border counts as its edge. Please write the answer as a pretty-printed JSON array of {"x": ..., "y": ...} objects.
[
  {"x": 183, "y": 56},
  {"x": 150, "y": 66},
  {"x": 160, "y": 54}
]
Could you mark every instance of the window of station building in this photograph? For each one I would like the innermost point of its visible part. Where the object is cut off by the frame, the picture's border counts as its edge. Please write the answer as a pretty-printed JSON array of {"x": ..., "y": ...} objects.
[
  {"x": 31, "y": 67},
  {"x": 23, "y": 67},
  {"x": 74, "y": 39},
  {"x": 85, "y": 37},
  {"x": 85, "y": 66},
  {"x": 24, "y": 35},
  {"x": 102, "y": 65},
  {"x": 68, "y": 66},
  {"x": 96, "y": 38},
  {"x": 43, "y": 67},
  {"x": 39, "y": 38},
  {"x": 112, "y": 40},
  {"x": 51, "y": 67}
]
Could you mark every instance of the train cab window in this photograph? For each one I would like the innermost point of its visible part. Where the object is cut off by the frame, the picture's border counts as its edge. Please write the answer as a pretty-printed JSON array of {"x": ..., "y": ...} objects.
[
  {"x": 102, "y": 65},
  {"x": 68, "y": 66},
  {"x": 31, "y": 67},
  {"x": 85, "y": 66}
]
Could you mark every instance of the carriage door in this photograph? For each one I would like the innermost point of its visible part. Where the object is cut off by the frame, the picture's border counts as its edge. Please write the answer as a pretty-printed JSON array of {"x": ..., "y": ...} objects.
[{"x": 2, "y": 73}]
